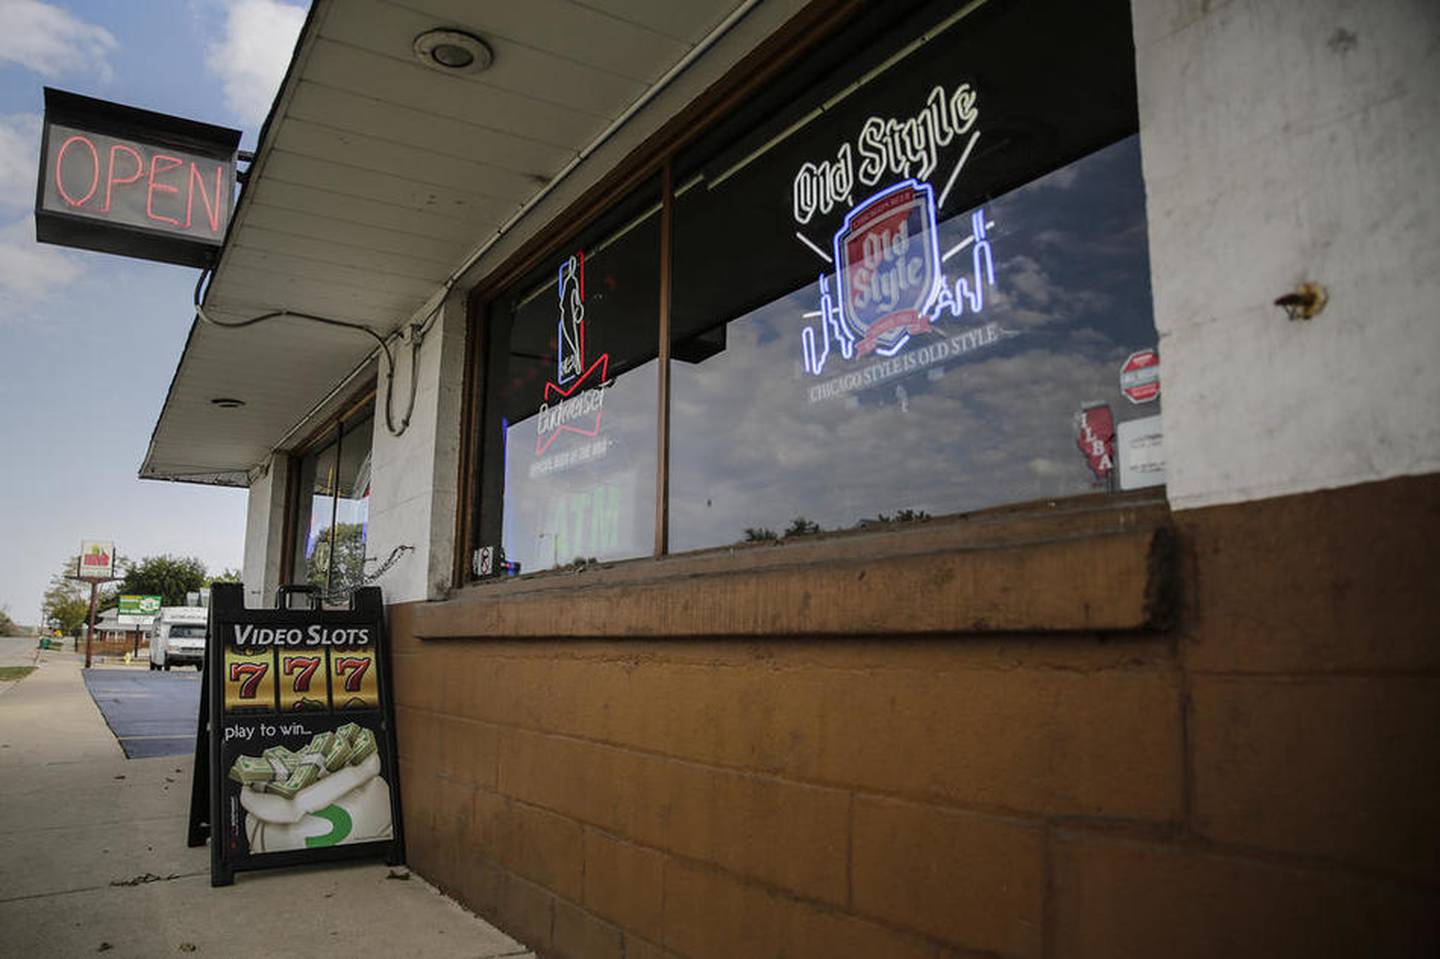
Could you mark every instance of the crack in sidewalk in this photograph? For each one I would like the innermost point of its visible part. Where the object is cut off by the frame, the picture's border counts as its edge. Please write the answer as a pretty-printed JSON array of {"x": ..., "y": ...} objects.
[{"x": 138, "y": 880}]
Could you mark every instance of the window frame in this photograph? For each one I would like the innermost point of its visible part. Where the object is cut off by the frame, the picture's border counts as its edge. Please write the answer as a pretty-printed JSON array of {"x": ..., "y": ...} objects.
[
  {"x": 792, "y": 43},
  {"x": 361, "y": 404}
]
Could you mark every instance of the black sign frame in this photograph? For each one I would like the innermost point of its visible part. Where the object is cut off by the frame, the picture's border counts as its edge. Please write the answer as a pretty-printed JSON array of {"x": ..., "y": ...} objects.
[
  {"x": 208, "y": 820},
  {"x": 145, "y": 126}
]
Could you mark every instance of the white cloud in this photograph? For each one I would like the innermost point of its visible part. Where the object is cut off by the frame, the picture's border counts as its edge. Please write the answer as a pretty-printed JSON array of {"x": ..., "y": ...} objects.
[
  {"x": 19, "y": 158},
  {"x": 251, "y": 58},
  {"x": 52, "y": 41},
  {"x": 30, "y": 271}
]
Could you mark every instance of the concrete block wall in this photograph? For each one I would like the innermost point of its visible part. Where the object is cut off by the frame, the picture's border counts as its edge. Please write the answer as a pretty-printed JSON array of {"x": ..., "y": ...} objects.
[
  {"x": 416, "y": 474},
  {"x": 1258, "y": 781},
  {"x": 265, "y": 531},
  {"x": 1285, "y": 142}
]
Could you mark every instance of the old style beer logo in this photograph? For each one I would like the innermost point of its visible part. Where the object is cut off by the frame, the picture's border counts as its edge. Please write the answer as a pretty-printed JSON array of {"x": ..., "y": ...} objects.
[
  {"x": 887, "y": 259},
  {"x": 908, "y": 147},
  {"x": 575, "y": 401},
  {"x": 889, "y": 282}
]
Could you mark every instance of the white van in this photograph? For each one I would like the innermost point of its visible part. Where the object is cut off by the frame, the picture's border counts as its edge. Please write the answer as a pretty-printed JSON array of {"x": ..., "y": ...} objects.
[{"x": 179, "y": 637}]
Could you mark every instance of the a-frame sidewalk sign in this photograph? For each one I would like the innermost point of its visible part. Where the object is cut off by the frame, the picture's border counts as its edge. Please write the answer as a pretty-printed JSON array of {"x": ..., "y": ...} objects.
[{"x": 295, "y": 758}]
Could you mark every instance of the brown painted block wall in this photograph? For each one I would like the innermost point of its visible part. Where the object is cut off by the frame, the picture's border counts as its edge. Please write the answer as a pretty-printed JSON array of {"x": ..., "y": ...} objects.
[{"x": 1258, "y": 780}]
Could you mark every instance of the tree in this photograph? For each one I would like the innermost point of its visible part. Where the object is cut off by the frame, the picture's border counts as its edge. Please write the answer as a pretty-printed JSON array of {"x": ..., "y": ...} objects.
[
  {"x": 225, "y": 576},
  {"x": 348, "y": 559},
  {"x": 800, "y": 526},
  {"x": 169, "y": 577},
  {"x": 7, "y": 625},
  {"x": 67, "y": 599}
]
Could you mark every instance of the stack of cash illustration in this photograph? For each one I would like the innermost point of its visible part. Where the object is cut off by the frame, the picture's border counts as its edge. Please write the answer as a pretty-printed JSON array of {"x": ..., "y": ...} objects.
[{"x": 285, "y": 772}]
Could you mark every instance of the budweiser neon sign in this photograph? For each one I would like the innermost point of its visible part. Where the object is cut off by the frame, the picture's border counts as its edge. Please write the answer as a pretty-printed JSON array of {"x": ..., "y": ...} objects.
[{"x": 575, "y": 401}]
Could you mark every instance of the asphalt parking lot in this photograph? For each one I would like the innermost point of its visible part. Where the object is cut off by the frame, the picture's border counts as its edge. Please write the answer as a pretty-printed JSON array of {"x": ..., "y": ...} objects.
[{"x": 150, "y": 713}]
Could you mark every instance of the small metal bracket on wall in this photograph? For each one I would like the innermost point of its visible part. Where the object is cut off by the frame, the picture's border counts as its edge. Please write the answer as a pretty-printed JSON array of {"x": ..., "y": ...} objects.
[{"x": 1305, "y": 302}]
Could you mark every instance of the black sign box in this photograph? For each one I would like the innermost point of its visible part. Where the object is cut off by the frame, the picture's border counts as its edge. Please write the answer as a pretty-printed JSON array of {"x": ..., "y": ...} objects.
[
  {"x": 123, "y": 180},
  {"x": 295, "y": 756}
]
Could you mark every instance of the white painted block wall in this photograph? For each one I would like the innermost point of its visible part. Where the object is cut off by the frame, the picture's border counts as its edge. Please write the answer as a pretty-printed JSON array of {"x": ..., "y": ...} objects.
[
  {"x": 265, "y": 533},
  {"x": 414, "y": 487},
  {"x": 1284, "y": 141}
]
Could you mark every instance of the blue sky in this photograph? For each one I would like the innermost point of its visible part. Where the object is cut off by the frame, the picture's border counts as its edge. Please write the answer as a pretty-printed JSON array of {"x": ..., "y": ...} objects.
[{"x": 89, "y": 341}]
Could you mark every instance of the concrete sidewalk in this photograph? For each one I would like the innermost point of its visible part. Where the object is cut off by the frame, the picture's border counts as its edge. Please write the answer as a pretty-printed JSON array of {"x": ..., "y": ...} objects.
[{"x": 93, "y": 859}]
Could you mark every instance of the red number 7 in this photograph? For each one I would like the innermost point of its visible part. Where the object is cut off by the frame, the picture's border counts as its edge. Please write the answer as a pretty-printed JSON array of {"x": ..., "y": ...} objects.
[
  {"x": 249, "y": 676},
  {"x": 305, "y": 666},
  {"x": 355, "y": 667}
]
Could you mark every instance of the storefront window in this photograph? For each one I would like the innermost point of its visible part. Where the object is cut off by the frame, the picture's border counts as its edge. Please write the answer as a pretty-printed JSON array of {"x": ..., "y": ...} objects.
[
  {"x": 570, "y": 408},
  {"x": 901, "y": 304},
  {"x": 908, "y": 277},
  {"x": 333, "y": 508}
]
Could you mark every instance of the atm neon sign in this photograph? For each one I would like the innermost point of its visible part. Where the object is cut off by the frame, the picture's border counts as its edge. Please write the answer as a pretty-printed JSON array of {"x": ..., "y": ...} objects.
[{"x": 121, "y": 180}]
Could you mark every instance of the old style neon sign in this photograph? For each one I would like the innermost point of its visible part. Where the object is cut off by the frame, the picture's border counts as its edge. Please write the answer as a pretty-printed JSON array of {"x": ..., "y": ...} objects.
[
  {"x": 887, "y": 147},
  {"x": 889, "y": 282},
  {"x": 579, "y": 406},
  {"x": 128, "y": 181},
  {"x": 889, "y": 278}
]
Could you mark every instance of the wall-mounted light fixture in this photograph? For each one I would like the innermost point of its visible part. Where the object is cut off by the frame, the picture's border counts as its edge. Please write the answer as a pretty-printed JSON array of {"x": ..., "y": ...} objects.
[
  {"x": 453, "y": 51},
  {"x": 1305, "y": 302}
]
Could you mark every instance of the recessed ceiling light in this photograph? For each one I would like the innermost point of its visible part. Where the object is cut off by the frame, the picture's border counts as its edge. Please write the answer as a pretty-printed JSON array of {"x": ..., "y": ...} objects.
[
  {"x": 227, "y": 402},
  {"x": 453, "y": 51}
]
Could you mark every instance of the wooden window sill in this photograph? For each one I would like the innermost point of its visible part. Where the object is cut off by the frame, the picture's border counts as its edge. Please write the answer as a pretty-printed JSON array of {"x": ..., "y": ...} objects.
[{"x": 1097, "y": 563}]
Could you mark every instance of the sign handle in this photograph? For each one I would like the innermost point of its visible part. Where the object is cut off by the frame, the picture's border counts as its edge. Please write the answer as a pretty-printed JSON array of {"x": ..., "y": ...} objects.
[
  {"x": 226, "y": 599},
  {"x": 199, "y": 781},
  {"x": 369, "y": 599}
]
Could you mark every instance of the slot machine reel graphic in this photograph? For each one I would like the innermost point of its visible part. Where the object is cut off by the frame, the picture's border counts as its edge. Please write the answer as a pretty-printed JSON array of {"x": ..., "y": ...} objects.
[
  {"x": 304, "y": 681},
  {"x": 353, "y": 678},
  {"x": 249, "y": 680}
]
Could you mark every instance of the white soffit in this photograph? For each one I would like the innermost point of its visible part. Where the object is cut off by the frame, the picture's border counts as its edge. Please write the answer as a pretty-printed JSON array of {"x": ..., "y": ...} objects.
[{"x": 375, "y": 178}]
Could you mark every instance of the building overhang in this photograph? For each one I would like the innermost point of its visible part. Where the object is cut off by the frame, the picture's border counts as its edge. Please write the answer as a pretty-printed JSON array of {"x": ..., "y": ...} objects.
[{"x": 376, "y": 179}]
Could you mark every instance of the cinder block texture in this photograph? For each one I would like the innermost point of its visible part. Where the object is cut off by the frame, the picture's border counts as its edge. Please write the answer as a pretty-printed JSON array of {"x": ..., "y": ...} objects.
[
  {"x": 1338, "y": 579},
  {"x": 1117, "y": 899},
  {"x": 974, "y": 881},
  {"x": 579, "y": 935},
  {"x": 1343, "y": 768},
  {"x": 783, "y": 833},
  {"x": 981, "y": 733},
  {"x": 709, "y": 915},
  {"x": 1182, "y": 793},
  {"x": 623, "y": 883}
]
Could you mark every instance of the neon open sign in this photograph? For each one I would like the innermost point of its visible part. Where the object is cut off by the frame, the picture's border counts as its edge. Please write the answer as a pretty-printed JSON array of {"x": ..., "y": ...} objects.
[{"x": 128, "y": 181}]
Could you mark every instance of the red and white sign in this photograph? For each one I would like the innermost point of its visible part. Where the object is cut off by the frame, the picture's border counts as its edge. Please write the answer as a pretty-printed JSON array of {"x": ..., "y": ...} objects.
[
  {"x": 1140, "y": 376},
  {"x": 97, "y": 561},
  {"x": 1095, "y": 435}
]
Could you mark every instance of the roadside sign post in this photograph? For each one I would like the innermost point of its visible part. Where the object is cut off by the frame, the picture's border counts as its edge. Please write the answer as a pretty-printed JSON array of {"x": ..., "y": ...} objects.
[
  {"x": 95, "y": 565},
  {"x": 295, "y": 755},
  {"x": 90, "y": 627}
]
